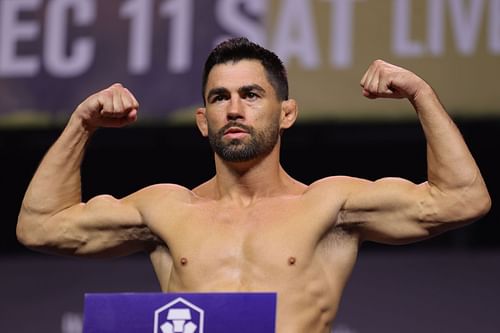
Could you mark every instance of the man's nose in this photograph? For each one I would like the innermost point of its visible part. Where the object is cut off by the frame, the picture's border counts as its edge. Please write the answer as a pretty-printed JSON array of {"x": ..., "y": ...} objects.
[{"x": 235, "y": 109}]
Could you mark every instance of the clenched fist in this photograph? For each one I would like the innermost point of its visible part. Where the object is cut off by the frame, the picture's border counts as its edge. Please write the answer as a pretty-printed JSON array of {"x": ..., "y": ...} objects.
[
  {"x": 384, "y": 80},
  {"x": 112, "y": 107}
]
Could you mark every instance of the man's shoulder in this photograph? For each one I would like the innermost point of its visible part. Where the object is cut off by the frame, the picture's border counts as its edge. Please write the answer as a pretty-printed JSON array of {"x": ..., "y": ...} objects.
[
  {"x": 329, "y": 191},
  {"x": 336, "y": 183},
  {"x": 334, "y": 189},
  {"x": 160, "y": 192}
]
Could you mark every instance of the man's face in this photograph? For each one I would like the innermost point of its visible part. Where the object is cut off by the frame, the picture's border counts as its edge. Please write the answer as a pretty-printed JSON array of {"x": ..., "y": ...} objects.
[{"x": 242, "y": 111}]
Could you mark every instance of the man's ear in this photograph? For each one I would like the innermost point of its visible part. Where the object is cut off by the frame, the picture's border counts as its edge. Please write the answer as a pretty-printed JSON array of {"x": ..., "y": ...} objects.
[
  {"x": 201, "y": 121},
  {"x": 289, "y": 113}
]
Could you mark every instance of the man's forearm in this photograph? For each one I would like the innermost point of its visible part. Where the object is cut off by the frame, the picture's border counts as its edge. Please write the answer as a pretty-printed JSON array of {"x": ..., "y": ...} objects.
[
  {"x": 56, "y": 184},
  {"x": 449, "y": 161},
  {"x": 451, "y": 167}
]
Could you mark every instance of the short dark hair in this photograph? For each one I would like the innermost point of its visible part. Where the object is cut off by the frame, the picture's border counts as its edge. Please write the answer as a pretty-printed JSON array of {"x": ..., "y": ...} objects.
[{"x": 236, "y": 49}]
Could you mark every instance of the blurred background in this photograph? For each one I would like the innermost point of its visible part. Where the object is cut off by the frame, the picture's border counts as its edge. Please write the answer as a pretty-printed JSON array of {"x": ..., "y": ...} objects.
[{"x": 54, "y": 53}]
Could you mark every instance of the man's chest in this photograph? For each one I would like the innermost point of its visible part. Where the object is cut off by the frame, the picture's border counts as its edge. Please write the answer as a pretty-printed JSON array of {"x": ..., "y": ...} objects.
[
  {"x": 217, "y": 247},
  {"x": 225, "y": 234},
  {"x": 214, "y": 237}
]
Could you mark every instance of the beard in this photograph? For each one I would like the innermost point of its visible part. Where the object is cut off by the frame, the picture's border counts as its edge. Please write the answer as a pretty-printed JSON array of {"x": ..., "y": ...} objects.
[{"x": 259, "y": 144}]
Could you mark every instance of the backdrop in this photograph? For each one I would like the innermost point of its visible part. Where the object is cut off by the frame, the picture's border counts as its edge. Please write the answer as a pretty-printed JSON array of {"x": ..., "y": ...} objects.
[{"x": 53, "y": 53}]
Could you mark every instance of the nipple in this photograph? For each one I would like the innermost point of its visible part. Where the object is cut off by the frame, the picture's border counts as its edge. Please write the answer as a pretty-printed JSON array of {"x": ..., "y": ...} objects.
[
  {"x": 292, "y": 261},
  {"x": 184, "y": 261}
]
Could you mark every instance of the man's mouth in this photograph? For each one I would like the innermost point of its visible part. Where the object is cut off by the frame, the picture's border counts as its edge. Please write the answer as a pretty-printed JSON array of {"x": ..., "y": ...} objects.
[{"x": 234, "y": 130}]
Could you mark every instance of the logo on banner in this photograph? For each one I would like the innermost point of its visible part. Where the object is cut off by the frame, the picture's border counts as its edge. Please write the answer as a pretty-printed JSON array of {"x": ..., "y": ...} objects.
[{"x": 179, "y": 316}]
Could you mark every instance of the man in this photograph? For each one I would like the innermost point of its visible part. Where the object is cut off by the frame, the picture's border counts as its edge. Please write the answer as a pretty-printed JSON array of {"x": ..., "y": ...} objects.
[{"x": 254, "y": 226}]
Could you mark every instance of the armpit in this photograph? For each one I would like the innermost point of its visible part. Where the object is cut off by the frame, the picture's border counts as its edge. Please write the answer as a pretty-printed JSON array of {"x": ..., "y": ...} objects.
[
  {"x": 349, "y": 220},
  {"x": 340, "y": 234}
]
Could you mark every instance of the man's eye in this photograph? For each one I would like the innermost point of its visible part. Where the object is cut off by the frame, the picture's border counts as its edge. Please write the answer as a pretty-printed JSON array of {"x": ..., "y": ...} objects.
[
  {"x": 218, "y": 98},
  {"x": 251, "y": 95}
]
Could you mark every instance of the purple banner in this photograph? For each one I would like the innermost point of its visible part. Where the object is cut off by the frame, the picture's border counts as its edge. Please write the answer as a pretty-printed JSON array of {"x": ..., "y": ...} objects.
[{"x": 180, "y": 312}]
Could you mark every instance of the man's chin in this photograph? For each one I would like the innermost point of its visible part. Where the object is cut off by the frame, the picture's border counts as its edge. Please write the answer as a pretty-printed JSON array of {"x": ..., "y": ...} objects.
[{"x": 236, "y": 156}]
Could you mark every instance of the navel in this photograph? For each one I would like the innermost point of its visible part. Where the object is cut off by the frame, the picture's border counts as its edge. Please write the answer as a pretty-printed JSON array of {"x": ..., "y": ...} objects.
[
  {"x": 184, "y": 261},
  {"x": 292, "y": 261}
]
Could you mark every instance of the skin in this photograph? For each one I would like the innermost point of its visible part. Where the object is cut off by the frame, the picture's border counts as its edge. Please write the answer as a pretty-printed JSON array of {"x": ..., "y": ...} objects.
[{"x": 252, "y": 227}]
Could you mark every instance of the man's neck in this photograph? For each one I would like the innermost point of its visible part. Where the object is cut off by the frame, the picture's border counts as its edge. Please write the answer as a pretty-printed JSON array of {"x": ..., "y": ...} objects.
[{"x": 246, "y": 182}]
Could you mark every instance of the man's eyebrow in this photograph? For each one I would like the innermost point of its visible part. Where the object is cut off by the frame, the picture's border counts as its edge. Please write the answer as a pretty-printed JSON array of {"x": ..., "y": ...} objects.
[
  {"x": 243, "y": 89},
  {"x": 216, "y": 91},
  {"x": 252, "y": 87}
]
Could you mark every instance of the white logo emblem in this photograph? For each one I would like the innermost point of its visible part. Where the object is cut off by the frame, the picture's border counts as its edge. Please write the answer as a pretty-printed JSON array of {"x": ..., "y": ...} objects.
[{"x": 179, "y": 316}]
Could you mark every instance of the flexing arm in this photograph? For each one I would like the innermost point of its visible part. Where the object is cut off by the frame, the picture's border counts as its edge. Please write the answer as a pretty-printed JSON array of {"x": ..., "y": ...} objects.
[
  {"x": 397, "y": 211},
  {"x": 52, "y": 216}
]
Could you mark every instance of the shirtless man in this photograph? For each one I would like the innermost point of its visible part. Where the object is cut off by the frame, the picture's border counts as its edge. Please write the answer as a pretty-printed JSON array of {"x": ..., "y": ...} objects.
[{"x": 255, "y": 227}]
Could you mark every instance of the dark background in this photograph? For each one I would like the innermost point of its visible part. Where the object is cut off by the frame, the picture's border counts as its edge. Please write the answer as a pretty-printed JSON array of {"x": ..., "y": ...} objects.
[{"x": 120, "y": 161}]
